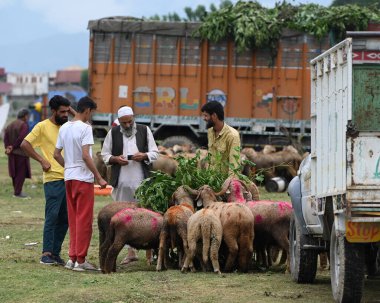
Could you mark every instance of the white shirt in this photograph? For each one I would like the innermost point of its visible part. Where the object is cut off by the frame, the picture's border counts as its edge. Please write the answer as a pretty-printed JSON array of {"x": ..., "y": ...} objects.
[
  {"x": 131, "y": 175},
  {"x": 71, "y": 137}
]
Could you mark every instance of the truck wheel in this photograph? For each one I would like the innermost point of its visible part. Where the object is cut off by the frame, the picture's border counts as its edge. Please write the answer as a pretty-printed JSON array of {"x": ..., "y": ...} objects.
[
  {"x": 347, "y": 268},
  {"x": 173, "y": 140},
  {"x": 303, "y": 262}
]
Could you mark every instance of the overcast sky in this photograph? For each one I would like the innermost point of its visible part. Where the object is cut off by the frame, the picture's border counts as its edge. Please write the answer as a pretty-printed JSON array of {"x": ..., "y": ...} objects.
[{"x": 24, "y": 21}]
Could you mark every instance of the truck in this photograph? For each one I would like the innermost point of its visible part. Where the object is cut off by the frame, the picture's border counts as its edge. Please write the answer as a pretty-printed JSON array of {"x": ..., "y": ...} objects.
[
  {"x": 336, "y": 194},
  {"x": 165, "y": 74}
]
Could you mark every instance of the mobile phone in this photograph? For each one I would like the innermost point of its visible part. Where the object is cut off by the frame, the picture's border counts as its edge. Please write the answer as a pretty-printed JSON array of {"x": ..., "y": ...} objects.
[{"x": 129, "y": 157}]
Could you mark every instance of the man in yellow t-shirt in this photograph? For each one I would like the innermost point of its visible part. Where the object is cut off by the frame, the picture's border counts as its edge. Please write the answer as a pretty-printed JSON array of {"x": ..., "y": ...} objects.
[
  {"x": 44, "y": 136},
  {"x": 223, "y": 140}
]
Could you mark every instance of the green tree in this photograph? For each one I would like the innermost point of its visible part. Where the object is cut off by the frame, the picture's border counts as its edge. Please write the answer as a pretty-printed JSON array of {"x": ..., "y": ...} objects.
[
  {"x": 358, "y": 2},
  {"x": 198, "y": 14}
]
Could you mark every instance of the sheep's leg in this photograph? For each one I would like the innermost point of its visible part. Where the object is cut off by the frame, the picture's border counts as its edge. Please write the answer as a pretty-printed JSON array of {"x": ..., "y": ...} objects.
[
  {"x": 183, "y": 235},
  {"x": 192, "y": 246},
  {"x": 104, "y": 247},
  {"x": 214, "y": 254},
  {"x": 113, "y": 252},
  {"x": 232, "y": 252},
  {"x": 245, "y": 251},
  {"x": 149, "y": 256},
  {"x": 104, "y": 244},
  {"x": 162, "y": 250},
  {"x": 283, "y": 241},
  {"x": 180, "y": 256}
]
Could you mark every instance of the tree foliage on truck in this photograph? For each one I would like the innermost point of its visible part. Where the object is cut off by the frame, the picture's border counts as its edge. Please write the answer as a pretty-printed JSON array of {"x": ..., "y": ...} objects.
[{"x": 253, "y": 26}]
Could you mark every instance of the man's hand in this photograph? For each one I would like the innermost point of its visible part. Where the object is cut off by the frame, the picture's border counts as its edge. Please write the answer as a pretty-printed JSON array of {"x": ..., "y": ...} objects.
[
  {"x": 121, "y": 160},
  {"x": 8, "y": 150},
  {"x": 45, "y": 165},
  {"x": 102, "y": 183},
  {"x": 139, "y": 157}
]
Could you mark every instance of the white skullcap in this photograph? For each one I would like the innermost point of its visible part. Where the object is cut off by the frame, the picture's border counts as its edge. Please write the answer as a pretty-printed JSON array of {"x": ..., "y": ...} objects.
[{"x": 124, "y": 111}]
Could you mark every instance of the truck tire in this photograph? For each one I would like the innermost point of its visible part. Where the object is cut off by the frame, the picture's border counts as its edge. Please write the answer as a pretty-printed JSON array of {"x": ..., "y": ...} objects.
[
  {"x": 303, "y": 262},
  {"x": 346, "y": 268},
  {"x": 173, "y": 140}
]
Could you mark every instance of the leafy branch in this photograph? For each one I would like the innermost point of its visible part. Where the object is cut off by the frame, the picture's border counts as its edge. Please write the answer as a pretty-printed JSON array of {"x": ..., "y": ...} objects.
[{"x": 155, "y": 192}]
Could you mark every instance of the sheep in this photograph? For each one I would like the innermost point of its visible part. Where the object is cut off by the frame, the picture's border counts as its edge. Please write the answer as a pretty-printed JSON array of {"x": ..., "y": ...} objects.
[
  {"x": 175, "y": 226},
  {"x": 285, "y": 162},
  {"x": 204, "y": 225},
  {"x": 268, "y": 149},
  {"x": 272, "y": 220},
  {"x": 165, "y": 164},
  {"x": 135, "y": 226},
  {"x": 104, "y": 219},
  {"x": 237, "y": 222}
]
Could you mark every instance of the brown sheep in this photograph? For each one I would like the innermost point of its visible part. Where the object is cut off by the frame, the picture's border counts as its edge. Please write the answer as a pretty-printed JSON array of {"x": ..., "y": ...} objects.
[
  {"x": 237, "y": 222},
  {"x": 104, "y": 219},
  {"x": 272, "y": 220},
  {"x": 175, "y": 226},
  {"x": 204, "y": 225},
  {"x": 286, "y": 161},
  {"x": 137, "y": 227},
  {"x": 165, "y": 164}
]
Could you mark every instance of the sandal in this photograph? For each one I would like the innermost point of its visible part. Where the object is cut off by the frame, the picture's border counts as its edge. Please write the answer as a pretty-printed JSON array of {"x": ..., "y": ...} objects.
[{"x": 128, "y": 260}]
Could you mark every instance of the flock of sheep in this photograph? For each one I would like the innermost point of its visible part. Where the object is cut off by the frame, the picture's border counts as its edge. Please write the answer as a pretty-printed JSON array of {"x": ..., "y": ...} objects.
[{"x": 225, "y": 233}]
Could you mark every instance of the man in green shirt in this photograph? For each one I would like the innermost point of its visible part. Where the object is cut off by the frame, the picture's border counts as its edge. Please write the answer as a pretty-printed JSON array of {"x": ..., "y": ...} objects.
[{"x": 223, "y": 139}]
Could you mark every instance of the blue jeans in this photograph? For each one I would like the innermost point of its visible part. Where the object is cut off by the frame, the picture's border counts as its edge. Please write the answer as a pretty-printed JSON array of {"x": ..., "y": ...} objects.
[{"x": 56, "y": 223}]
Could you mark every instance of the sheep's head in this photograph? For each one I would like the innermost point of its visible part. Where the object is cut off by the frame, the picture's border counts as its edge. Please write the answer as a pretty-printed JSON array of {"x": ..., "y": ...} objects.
[
  {"x": 206, "y": 196},
  {"x": 182, "y": 195},
  {"x": 235, "y": 190}
]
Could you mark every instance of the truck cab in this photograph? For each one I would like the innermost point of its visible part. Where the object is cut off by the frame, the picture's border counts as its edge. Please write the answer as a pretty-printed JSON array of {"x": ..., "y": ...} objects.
[{"x": 336, "y": 195}]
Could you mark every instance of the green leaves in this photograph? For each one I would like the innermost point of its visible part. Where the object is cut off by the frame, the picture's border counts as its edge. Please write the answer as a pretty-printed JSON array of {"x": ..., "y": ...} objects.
[
  {"x": 252, "y": 26},
  {"x": 155, "y": 192}
]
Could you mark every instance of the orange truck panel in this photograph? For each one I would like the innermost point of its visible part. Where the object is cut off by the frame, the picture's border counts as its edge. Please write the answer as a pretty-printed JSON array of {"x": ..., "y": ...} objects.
[{"x": 166, "y": 76}]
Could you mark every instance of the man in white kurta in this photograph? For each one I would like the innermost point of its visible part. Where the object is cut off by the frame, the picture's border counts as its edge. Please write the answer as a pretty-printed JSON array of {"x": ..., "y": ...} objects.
[
  {"x": 130, "y": 159},
  {"x": 131, "y": 171}
]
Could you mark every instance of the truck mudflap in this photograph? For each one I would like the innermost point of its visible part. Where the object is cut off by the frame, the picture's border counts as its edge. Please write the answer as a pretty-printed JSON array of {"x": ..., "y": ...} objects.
[
  {"x": 294, "y": 191},
  {"x": 362, "y": 232}
]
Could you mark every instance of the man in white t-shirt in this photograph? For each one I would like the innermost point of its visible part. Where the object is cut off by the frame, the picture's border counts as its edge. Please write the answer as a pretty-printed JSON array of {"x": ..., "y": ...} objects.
[{"x": 76, "y": 139}]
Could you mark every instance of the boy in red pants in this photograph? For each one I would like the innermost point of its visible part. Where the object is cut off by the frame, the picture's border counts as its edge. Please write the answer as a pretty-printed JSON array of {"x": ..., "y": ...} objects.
[{"x": 75, "y": 138}]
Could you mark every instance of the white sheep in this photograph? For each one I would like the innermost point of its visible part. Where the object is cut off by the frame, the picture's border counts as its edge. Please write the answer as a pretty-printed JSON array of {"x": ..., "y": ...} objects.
[{"x": 204, "y": 226}]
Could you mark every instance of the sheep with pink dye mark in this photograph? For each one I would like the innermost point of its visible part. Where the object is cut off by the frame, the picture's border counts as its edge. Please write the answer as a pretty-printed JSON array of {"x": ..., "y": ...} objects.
[
  {"x": 137, "y": 227},
  {"x": 272, "y": 218},
  {"x": 104, "y": 218},
  {"x": 237, "y": 224}
]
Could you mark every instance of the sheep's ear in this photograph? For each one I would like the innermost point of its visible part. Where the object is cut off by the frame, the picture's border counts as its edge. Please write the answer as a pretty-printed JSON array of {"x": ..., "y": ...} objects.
[
  {"x": 199, "y": 203},
  {"x": 228, "y": 192}
]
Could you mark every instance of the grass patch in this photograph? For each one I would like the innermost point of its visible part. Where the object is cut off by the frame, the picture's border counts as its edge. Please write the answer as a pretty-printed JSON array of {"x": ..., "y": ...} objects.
[{"x": 23, "y": 279}]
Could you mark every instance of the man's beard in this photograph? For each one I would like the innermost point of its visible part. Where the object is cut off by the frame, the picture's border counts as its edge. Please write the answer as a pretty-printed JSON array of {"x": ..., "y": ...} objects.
[
  {"x": 60, "y": 120},
  {"x": 210, "y": 124},
  {"x": 129, "y": 131}
]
